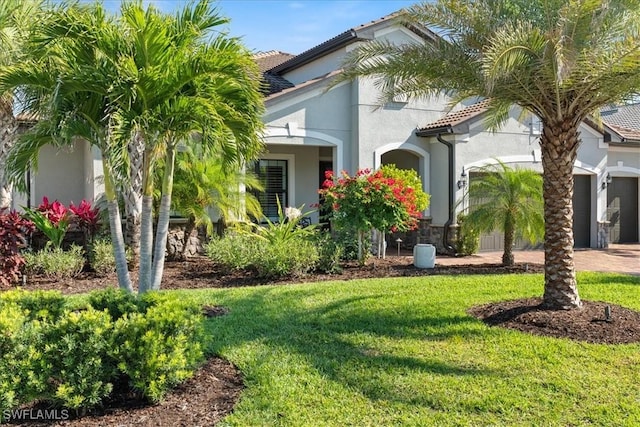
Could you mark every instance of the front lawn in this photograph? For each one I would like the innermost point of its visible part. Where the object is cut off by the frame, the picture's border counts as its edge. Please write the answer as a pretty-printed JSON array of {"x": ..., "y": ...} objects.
[{"x": 403, "y": 351}]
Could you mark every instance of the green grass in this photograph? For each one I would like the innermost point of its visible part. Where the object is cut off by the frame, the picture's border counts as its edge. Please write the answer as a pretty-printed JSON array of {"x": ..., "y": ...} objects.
[{"x": 403, "y": 352}]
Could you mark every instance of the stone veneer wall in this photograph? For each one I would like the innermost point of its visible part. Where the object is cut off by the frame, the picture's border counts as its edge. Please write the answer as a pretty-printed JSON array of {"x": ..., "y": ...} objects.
[
  {"x": 176, "y": 234},
  {"x": 426, "y": 233}
]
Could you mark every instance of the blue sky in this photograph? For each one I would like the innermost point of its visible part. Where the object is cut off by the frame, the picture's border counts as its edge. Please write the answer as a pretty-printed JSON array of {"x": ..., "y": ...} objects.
[{"x": 291, "y": 26}]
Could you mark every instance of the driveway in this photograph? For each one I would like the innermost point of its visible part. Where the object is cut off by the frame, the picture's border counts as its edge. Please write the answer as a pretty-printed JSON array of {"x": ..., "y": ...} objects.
[{"x": 618, "y": 258}]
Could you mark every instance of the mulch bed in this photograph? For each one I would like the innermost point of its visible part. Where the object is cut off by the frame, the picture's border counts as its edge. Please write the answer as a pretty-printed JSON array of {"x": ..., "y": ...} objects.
[
  {"x": 211, "y": 394},
  {"x": 595, "y": 322}
]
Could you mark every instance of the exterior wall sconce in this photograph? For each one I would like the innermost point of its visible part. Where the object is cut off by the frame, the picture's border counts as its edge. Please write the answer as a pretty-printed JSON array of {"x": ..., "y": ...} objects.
[
  {"x": 462, "y": 182},
  {"x": 606, "y": 182}
]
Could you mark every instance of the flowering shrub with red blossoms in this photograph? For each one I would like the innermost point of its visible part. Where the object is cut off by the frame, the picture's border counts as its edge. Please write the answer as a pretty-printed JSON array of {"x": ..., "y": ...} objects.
[
  {"x": 388, "y": 199},
  {"x": 381, "y": 200}
]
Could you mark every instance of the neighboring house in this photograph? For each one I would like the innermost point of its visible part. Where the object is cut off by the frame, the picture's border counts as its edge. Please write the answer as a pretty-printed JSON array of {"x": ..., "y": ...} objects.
[{"x": 314, "y": 124}]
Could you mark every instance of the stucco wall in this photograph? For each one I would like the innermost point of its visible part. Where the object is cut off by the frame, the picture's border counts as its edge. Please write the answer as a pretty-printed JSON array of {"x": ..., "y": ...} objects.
[{"x": 60, "y": 175}]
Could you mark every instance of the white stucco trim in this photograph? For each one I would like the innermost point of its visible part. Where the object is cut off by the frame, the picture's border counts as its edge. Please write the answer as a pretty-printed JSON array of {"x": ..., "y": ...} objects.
[
  {"x": 292, "y": 131},
  {"x": 299, "y": 95},
  {"x": 425, "y": 159},
  {"x": 623, "y": 171},
  {"x": 529, "y": 158}
]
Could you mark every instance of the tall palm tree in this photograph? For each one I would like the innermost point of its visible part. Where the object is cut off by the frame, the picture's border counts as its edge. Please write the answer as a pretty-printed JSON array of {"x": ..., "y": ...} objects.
[
  {"x": 560, "y": 60},
  {"x": 66, "y": 82},
  {"x": 188, "y": 80},
  {"x": 509, "y": 200},
  {"x": 16, "y": 20}
]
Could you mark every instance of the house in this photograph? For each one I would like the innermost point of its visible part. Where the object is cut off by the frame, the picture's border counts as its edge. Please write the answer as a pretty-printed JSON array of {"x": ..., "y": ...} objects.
[{"x": 314, "y": 124}]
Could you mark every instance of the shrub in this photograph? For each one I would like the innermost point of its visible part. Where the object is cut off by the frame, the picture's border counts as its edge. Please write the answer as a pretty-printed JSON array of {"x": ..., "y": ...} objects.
[
  {"x": 52, "y": 219},
  {"x": 36, "y": 305},
  {"x": 79, "y": 370},
  {"x": 468, "y": 241},
  {"x": 288, "y": 258},
  {"x": 22, "y": 378},
  {"x": 74, "y": 359},
  {"x": 234, "y": 251},
  {"x": 56, "y": 263},
  {"x": 330, "y": 253},
  {"x": 117, "y": 302},
  {"x": 160, "y": 348},
  {"x": 11, "y": 320},
  {"x": 13, "y": 232},
  {"x": 86, "y": 218},
  {"x": 101, "y": 258}
]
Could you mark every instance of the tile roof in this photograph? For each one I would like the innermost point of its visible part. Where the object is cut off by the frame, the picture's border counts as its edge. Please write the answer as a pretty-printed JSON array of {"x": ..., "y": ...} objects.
[
  {"x": 622, "y": 116},
  {"x": 273, "y": 83},
  {"x": 308, "y": 83},
  {"x": 270, "y": 59},
  {"x": 627, "y": 134},
  {"x": 455, "y": 118}
]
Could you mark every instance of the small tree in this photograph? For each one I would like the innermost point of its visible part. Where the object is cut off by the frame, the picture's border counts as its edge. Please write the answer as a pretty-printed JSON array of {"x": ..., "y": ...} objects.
[
  {"x": 509, "y": 200},
  {"x": 381, "y": 200}
]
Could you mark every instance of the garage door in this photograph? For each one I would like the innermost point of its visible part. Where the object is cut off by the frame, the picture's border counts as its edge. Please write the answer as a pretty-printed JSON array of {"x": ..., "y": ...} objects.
[
  {"x": 622, "y": 210},
  {"x": 582, "y": 211},
  {"x": 581, "y": 221}
]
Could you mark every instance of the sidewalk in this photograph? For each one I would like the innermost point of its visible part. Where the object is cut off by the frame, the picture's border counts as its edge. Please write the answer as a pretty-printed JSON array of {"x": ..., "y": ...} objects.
[{"x": 618, "y": 258}]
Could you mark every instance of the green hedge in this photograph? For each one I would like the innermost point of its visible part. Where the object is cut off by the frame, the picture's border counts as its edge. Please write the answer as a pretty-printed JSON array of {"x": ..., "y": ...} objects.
[{"x": 71, "y": 357}]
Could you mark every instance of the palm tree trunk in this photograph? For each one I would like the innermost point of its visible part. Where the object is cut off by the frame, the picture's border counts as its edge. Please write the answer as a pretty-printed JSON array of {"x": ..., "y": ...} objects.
[
  {"x": 163, "y": 220},
  {"x": 133, "y": 198},
  {"x": 188, "y": 230},
  {"x": 115, "y": 225},
  {"x": 509, "y": 237},
  {"x": 146, "y": 244},
  {"x": 8, "y": 133},
  {"x": 146, "y": 226},
  {"x": 559, "y": 143}
]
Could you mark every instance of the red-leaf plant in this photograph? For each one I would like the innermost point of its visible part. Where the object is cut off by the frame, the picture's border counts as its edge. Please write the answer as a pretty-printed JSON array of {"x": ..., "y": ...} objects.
[
  {"x": 13, "y": 232},
  {"x": 86, "y": 218}
]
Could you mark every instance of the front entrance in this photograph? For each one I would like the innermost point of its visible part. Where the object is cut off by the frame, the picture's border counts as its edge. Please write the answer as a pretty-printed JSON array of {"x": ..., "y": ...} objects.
[{"x": 622, "y": 210}]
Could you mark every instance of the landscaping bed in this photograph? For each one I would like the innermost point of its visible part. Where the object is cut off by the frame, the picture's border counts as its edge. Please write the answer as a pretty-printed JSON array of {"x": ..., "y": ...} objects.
[{"x": 211, "y": 394}]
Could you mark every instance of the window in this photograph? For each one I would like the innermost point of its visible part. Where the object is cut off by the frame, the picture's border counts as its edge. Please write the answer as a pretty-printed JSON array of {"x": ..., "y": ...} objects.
[{"x": 273, "y": 174}]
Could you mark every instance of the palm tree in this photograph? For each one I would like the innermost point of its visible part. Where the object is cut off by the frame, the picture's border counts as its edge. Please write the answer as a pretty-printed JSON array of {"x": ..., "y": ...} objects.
[
  {"x": 559, "y": 60},
  {"x": 161, "y": 79},
  {"x": 509, "y": 200},
  {"x": 183, "y": 87},
  {"x": 66, "y": 82},
  {"x": 204, "y": 183},
  {"x": 16, "y": 20}
]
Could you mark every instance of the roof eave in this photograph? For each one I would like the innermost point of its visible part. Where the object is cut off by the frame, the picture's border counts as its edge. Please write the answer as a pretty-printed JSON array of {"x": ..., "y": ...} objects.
[
  {"x": 322, "y": 49},
  {"x": 434, "y": 131}
]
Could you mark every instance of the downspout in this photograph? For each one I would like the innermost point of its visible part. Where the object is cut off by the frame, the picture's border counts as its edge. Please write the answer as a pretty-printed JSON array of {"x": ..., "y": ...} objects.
[{"x": 445, "y": 236}]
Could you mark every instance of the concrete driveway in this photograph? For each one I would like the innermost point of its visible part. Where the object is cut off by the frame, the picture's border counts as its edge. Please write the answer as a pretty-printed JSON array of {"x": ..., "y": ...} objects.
[{"x": 618, "y": 258}]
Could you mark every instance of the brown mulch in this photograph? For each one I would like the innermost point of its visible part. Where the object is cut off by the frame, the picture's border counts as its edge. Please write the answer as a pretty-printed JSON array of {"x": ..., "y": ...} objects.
[
  {"x": 595, "y": 322},
  {"x": 212, "y": 392}
]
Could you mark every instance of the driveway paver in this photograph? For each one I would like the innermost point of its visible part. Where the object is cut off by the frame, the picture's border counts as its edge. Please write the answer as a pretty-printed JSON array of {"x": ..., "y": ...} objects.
[{"x": 618, "y": 258}]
